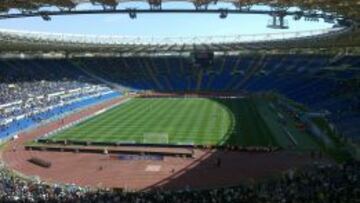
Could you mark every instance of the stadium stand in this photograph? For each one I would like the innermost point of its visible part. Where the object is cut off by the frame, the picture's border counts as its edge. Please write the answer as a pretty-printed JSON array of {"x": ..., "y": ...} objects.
[
  {"x": 320, "y": 183},
  {"x": 322, "y": 82},
  {"x": 37, "y": 91},
  {"x": 319, "y": 73},
  {"x": 326, "y": 82}
]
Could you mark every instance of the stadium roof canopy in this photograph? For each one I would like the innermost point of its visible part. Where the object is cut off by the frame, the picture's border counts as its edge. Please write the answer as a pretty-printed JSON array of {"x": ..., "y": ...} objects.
[
  {"x": 345, "y": 34},
  {"x": 349, "y": 8}
]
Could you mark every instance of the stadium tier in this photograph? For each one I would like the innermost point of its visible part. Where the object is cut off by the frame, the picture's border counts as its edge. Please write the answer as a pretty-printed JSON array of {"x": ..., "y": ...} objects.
[
  {"x": 267, "y": 117},
  {"x": 33, "y": 92},
  {"x": 321, "y": 82}
]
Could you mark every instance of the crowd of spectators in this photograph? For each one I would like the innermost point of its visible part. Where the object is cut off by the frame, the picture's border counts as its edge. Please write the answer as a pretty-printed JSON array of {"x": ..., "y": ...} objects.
[
  {"x": 25, "y": 85},
  {"x": 28, "y": 96},
  {"x": 318, "y": 183},
  {"x": 25, "y": 90},
  {"x": 36, "y": 96},
  {"x": 29, "y": 99},
  {"x": 30, "y": 86}
]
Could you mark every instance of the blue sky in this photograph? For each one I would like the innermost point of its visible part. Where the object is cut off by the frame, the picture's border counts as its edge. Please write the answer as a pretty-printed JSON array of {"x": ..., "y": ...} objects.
[{"x": 158, "y": 25}]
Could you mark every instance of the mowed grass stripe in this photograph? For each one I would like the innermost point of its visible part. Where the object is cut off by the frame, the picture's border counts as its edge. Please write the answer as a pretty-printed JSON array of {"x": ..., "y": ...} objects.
[
  {"x": 195, "y": 116},
  {"x": 168, "y": 119},
  {"x": 88, "y": 126},
  {"x": 158, "y": 117},
  {"x": 206, "y": 135},
  {"x": 183, "y": 137},
  {"x": 185, "y": 120},
  {"x": 115, "y": 126},
  {"x": 198, "y": 117},
  {"x": 175, "y": 115},
  {"x": 148, "y": 115},
  {"x": 144, "y": 119},
  {"x": 169, "y": 116},
  {"x": 186, "y": 129},
  {"x": 81, "y": 130},
  {"x": 222, "y": 121},
  {"x": 123, "y": 125},
  {"x": 210, "y": 119},
  {"x": 100, "y": 123}
]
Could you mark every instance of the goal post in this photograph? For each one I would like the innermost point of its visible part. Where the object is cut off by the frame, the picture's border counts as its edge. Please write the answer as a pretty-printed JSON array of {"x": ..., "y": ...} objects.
[{"x": 155, "y": 138}]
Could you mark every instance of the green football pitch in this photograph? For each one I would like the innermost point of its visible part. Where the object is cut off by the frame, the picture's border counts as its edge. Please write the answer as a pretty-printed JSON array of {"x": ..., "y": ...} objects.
[{"x": 183, "y": 121}]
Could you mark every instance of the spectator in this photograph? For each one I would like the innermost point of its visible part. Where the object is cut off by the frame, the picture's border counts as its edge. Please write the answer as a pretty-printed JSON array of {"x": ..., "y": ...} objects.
[{"x": 320, "y": 183}]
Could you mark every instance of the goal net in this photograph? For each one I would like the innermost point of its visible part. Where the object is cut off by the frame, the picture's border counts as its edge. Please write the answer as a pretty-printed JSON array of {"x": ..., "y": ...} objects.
[{"x": 155, "y": 138}]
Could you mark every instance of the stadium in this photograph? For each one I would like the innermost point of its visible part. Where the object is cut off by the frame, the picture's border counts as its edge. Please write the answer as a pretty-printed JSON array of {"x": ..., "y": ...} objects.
[{"x": 268, "y": 117}]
